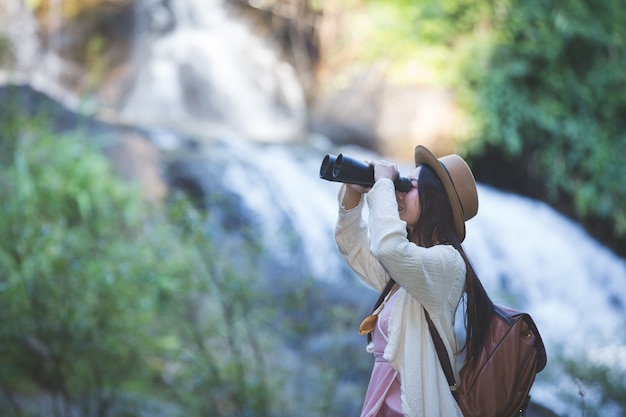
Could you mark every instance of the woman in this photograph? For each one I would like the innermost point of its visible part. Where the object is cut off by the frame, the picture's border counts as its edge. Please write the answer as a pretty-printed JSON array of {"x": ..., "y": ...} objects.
[{"x": 410, "y": 250}]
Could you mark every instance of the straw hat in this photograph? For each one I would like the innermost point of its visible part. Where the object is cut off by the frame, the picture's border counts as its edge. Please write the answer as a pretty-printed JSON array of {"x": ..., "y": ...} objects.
[{"x": 458, "y": 180}]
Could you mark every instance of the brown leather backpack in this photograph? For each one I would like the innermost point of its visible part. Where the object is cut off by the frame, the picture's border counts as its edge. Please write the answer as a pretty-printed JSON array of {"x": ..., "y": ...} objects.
[{"x": 499, "y": 384}]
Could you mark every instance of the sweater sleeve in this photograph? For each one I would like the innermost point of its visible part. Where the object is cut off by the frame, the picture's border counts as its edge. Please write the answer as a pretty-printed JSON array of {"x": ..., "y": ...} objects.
[
  {"x": 353, "y": 241},
  {"x": 428, "y": 274}
]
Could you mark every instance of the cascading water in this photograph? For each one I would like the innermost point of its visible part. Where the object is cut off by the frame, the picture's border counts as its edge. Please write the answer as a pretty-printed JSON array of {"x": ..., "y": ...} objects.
[
  {"x": 206, "y": 72},
  {"x": 20, "y": 31}
]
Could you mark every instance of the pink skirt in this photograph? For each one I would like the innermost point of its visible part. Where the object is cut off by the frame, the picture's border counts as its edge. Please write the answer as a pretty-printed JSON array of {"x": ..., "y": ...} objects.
[{"x": 383, "y": 393}]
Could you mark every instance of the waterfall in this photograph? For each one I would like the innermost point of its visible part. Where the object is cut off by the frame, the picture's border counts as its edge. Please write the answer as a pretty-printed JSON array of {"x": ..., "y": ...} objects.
[
  {"x": 21, "y": 29},
  {"x": 208, "y": 73}
]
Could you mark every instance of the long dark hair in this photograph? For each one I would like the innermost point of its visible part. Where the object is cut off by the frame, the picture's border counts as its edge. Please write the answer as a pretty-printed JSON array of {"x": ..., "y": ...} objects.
[{"x": 436, "y": 226}]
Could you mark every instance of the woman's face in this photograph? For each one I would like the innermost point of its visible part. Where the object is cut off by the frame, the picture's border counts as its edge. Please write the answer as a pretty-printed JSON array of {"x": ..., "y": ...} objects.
[{"x": 409, "y": 203}]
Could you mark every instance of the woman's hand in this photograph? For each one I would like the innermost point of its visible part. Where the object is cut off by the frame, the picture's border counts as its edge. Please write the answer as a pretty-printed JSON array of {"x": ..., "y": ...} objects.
[
  {"x": 384, "y": 169},
  {"x": 354, "y": 192}
]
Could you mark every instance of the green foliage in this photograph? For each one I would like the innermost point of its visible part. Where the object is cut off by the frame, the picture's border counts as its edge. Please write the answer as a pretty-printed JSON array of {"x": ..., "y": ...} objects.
[
  {"x": 111, "y": 307},
  {"x": 324, "y": 333},
  {"x": 216, "y": 363},
  {"x": 551, "y": 95},
  {"x": 78, "y": 286},
  {"x": 601, "y": 387},
  {"x": 434, "y": 34},
  {"x": 428, "y": 21},
  {"x": 107, "y": 303},
  {"x": 5, "y": 51}
]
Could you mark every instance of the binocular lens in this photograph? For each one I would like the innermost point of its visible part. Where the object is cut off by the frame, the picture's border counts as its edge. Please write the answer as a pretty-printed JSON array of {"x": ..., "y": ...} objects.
[
  {"x": 327, "y": 167},
  {"x": 352, "y": 171},
  {"x": 345, "y": 169}
]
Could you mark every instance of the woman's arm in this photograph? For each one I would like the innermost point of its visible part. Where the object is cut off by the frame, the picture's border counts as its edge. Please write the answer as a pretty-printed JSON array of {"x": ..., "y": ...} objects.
[{"x": 353, "y": 241}]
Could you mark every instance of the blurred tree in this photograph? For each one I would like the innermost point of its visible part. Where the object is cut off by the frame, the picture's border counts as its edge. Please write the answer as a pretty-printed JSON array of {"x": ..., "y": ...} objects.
[
  {"x": 105, "y": 300},
  {"x": 601, "y": 385},
  {"x": 417, "y": 38},
  {"x": 550, "y": 98},
  {"x": 77, "y": 287},
  {"x": 110, "y": 306}
]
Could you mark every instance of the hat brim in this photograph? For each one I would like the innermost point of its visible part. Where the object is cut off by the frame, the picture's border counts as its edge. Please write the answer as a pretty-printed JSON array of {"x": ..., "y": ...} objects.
[{"x": 425, "y": 157}]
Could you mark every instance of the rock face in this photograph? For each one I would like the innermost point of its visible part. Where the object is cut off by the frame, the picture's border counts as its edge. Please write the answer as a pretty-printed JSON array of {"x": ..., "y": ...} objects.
[
  {"x": 133, "y": 155},
  {"x": 391, "y": 120},
  {"x": 83, "y": 49}
]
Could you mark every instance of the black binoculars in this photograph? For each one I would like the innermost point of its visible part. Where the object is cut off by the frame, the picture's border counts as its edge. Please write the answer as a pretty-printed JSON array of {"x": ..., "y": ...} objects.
[{"x": 342, "y": 168}]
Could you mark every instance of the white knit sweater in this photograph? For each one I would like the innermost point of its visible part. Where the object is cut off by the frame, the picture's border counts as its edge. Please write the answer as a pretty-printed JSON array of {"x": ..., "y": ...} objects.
[{"x": 429, "y": 277}]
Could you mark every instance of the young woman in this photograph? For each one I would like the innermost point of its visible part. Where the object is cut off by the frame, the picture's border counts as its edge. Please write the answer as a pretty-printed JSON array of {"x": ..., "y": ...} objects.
[{"x": 410, "y": 250}]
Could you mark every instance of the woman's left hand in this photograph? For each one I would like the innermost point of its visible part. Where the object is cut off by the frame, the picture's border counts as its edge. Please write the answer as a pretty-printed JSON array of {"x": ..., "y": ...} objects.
[{"x": 384, "y": 169}]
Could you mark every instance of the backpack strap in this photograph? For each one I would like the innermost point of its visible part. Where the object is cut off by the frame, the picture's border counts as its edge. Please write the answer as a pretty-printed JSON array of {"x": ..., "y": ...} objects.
[{"x": 444, "y": 359}]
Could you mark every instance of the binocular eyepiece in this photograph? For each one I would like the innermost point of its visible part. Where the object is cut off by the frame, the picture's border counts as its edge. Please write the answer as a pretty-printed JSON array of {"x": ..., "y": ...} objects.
[{"x": 342, "y": 168}]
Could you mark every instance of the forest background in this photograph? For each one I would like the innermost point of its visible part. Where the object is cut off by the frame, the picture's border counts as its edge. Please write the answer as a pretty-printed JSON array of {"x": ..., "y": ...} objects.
[{"x": 540, "y": 109}]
